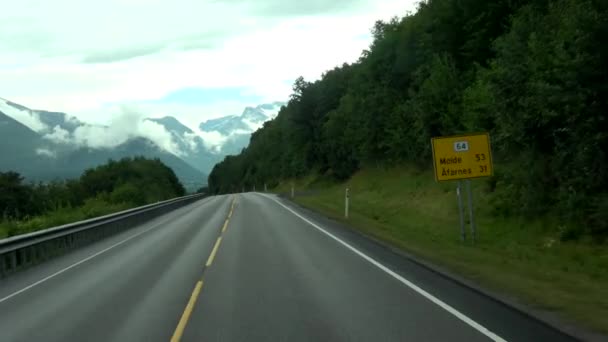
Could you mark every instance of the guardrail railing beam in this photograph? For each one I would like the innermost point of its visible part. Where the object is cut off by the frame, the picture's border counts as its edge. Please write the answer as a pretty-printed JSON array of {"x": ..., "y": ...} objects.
[{"x": 25, "y": 250}]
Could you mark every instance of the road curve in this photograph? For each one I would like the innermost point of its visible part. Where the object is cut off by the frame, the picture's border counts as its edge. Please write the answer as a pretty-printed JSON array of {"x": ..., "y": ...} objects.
[{"x": 248, "y": 267}]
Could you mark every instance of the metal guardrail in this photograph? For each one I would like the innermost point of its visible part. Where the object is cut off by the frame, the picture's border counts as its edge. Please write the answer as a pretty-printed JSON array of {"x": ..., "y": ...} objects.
[{"x": 25, "y": 250}]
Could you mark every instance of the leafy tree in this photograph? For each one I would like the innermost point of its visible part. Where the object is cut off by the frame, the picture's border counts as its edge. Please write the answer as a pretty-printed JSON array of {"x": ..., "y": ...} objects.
[
  {"x": 131, "y": 181},
  {"x": 16, "y": 199}
]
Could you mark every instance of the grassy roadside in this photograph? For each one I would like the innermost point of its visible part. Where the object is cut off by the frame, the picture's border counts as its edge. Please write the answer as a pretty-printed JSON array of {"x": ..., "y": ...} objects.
[
  {"x": 523, "y": 259},
  {"x": 91, "y": 208}
]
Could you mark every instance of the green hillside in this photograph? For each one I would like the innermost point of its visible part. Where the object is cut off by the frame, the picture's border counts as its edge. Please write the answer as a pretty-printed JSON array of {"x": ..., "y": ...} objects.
[{"x": 531, "y": 73}]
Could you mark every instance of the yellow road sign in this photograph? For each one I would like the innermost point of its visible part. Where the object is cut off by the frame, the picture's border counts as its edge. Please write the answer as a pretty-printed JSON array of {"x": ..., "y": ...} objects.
[{"x": 462, "y": 157}]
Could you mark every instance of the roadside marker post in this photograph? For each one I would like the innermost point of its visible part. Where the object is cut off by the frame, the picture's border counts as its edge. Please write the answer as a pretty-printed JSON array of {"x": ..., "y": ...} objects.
[
  {"x": 292, "y": 191},
  {"x": 346, "y": 200},
  {"x": 265, "y": 187},
  {"x": 463, "y": 157}
]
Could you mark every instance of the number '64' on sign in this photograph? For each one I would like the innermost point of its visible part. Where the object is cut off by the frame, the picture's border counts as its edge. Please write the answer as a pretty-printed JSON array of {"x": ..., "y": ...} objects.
[{"x": 461, "y": 146}]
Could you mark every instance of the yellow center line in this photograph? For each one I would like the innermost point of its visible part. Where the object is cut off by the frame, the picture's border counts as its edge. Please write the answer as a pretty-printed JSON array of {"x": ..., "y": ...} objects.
[
  {"x": 231, "y": 211},
  {"x": 181, "y": 326},
  {"x": 183, "y": 322},
  {"x": 212, "y": 256}
]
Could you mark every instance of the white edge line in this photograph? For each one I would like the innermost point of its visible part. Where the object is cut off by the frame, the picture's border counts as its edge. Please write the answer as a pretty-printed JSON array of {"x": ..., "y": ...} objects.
[
  {"x": 78, "y": 263},
  {"x": 406, "y": 282}
]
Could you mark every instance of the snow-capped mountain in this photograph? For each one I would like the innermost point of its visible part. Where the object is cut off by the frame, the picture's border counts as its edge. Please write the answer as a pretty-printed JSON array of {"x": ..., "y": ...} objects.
[
  {"x": 45, "y": 145},
  {"x": 235, "y": 130},
  {"x": 191, "y": 146},
  {"x": 40, "y": 121},
  {"x": 249, "y": 121}
]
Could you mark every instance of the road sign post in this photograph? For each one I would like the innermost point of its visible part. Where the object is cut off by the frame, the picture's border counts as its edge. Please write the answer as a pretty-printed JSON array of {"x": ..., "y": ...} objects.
[
  {"x": 346, "y": 200},
  {"x": 463, "y": 157},
  {"x": 463, "y": 232},
  {"x": 471, "y": 215}
]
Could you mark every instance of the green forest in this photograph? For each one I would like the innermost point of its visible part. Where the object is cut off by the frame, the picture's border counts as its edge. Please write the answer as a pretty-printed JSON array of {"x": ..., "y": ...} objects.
[
  {"x": 534, "y": 74},
  {"x": 115, "y": 186}
]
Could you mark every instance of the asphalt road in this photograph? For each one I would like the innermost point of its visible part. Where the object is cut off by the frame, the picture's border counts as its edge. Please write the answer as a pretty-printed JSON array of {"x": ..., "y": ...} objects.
[{"x": 248, "y": 267}]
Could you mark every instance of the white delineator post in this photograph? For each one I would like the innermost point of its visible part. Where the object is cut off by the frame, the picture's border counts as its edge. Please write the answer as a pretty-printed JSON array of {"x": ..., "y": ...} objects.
[
  {"x": 346, "y": 202},
  {"x": 292, "y": 191}
]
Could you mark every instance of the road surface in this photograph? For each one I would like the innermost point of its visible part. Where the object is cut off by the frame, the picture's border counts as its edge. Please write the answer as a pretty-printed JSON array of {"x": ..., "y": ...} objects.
[{"x": 248, "y": 267}]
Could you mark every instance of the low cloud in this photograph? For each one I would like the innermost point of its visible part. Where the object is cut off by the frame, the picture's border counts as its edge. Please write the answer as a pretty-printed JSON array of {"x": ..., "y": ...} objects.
[
  {"x": 200, "y": 41},
  {"x": 46, "y": 153},
  {"x": 252, "y": 125},
  {"x": 213, "y": 140},
  {"x": 241, "y": 132},
  {"x": 121, "y": 54},
  {"x": 192, "y": 139},
  {"x": 58, "y": 135},
  {"x": 129, "y": 124},
  {"x": 24, "y": 116},
  {"x": 286, "y": 8},
  {"x": 160, "y": 136}
]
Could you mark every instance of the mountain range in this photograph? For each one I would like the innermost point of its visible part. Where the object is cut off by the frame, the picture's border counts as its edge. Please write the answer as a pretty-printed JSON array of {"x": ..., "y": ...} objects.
[
  {"x": 45, "y": 145},
  {"x": 236, "y": 129}
]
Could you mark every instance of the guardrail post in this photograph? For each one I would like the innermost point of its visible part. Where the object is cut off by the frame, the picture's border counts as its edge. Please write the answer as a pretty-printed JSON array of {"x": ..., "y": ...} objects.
[
  {"x": 36, "y": 252},
  {"x": 20, "y": 258},
  {"x": 3, "y": 266},
  {"x": 29, "y": 255},
  {"x": 13, "y": 260}
]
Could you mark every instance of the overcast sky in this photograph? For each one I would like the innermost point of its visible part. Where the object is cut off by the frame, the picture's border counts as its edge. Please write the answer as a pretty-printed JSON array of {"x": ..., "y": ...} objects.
[{"x": 193, "y": 59}]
